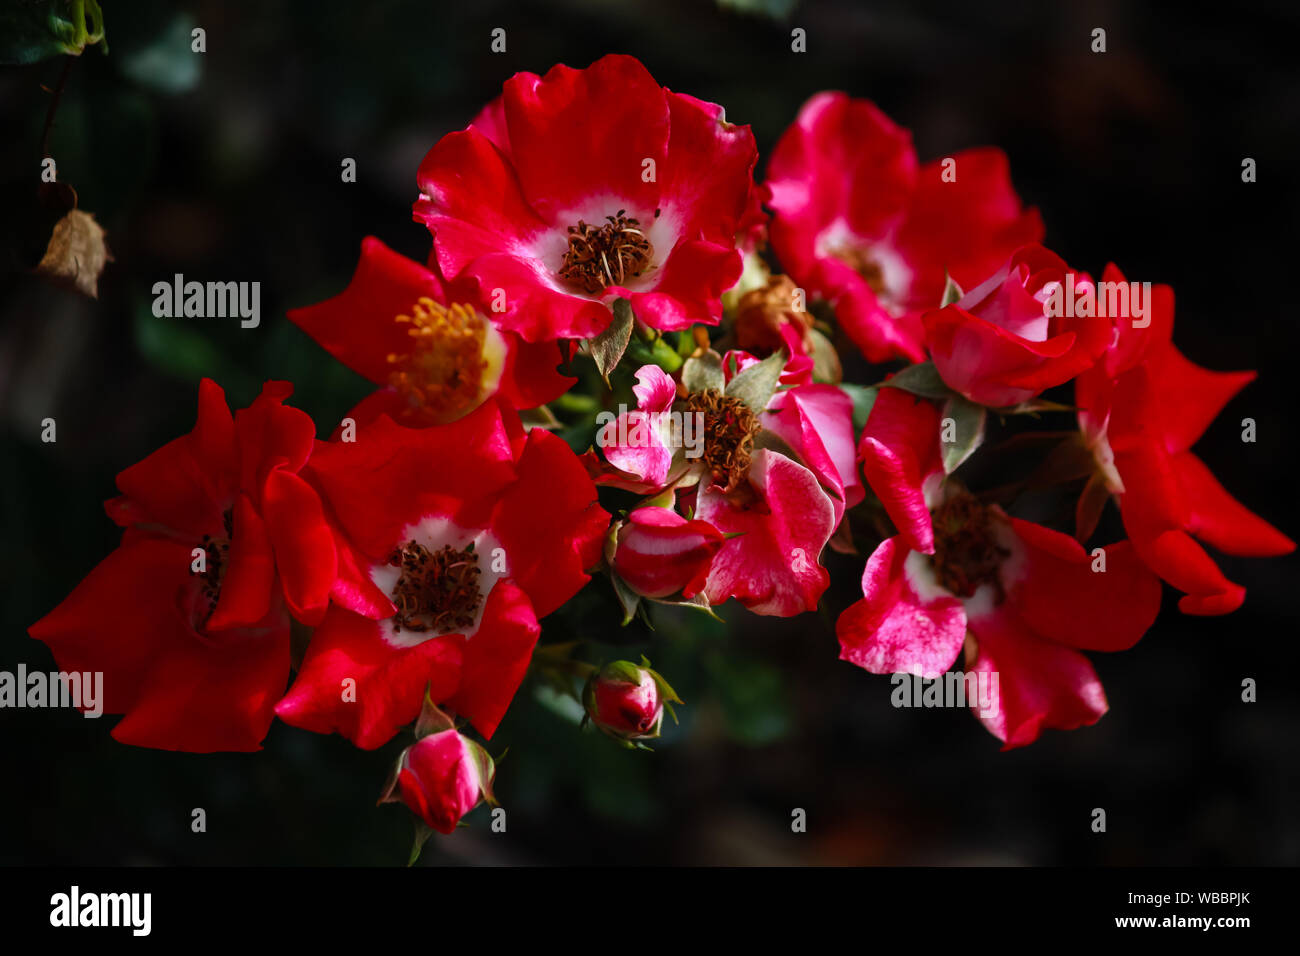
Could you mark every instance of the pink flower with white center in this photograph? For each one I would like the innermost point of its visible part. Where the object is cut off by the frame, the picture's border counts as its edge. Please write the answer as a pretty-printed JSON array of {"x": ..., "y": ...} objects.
[
  {"x": 774, "y": 467},
  {"x": 1022, "y": 599}
]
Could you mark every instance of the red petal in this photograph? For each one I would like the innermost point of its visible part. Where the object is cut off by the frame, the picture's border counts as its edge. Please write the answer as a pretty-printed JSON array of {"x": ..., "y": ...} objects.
[
  {"x": 1041, "y": 685},
  {"x": 356, "y": 326},
  {"x": 549, "y": 523},
  {"x": 495, "y": 659},
  {"x": 1061, "y": 598},
  {"x": 892, "y": 629},
  {"x": 1221, "y": 520},
  {"x": 389, "y": 681}
]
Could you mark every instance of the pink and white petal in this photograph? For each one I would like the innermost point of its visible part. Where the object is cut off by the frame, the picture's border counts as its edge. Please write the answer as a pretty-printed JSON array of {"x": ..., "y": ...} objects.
[
  {"x": 654, "y": 390},
  {"x": 772, "y": 566},
  {"x": 905, "y": 622},
  {"x": 817, "y": 422}
]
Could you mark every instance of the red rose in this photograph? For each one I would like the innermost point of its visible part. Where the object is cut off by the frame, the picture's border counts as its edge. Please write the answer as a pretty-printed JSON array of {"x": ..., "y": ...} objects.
[
  {"x": 861, "y": 225},
  {"x": 1007, "y": 339},
  {"x": 581, "y": 186},
  {"x": 1141, "y": 408},
  {"x": 453, "y": 541},
  {"x": 433, "y": 346},
  {"x": 186, "y": 619}
]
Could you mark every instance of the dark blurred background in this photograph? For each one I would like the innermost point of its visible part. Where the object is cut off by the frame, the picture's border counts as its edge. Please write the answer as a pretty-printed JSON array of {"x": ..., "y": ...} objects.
[{"x": 226, "y": 165}]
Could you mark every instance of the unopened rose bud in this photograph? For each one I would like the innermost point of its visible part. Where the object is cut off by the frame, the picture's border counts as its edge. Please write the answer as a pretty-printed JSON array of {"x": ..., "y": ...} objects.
[
  {"x": 443, "y": 776},
  {"x": 627, "y": 701},
  {"x": 660, "y": 553}
]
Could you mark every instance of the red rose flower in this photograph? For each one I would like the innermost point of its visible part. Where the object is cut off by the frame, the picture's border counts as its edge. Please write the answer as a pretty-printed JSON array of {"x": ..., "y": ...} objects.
[
  {"x": 1008, "y": 339},
  {"x": 1141, "y": 408},
  {"x": 581, "y": 186},
  {"x": 453, "y": 541},
  {"x": 859, "y": 224},
  {"x": 432, "y": 346},
  {"x": 442, "y": 777},
  {"x": 186, "y": 619}
]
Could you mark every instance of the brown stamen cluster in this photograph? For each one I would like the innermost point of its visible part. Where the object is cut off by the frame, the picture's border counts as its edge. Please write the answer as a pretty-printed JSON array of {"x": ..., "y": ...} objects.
[
  {"x": 600, "y": 256},
  {"x": 217, "y": 551},
  {"x": 438, "y": 590},
  {"x": 966, "y": 552},
  {"x": 443, "y": 372},
  {"x": 729, "y": 429},
  {"x": 762, "y": 313}
]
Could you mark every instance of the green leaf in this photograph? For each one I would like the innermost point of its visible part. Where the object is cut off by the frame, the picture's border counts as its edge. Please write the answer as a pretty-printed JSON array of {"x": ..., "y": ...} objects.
[
  {"x": 921, "y": 379},
  {"x": 422, "y": 833},
  {"x": 608, "y": 347},
  {"x": 704, "y": 373},
  {"x": 826, "y": 361},
  {"x": 968, "y": 426},
  {"x": 627, "y": 598},
  {"x": 951, "y": 292},
  {"x": 34, "y": 30},
  {"x": 756, "y": 384},
  {"x": 864, "y": 398}
]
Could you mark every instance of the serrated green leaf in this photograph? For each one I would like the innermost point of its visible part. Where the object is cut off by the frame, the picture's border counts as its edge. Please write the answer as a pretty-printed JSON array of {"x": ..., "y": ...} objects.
[
  {"x": 756, "y": 384},
  {"x": 864, "y": 399},
  {"x": 608, "y": 347},
  {"x": 627, "y": 598},
  {"x": 703, "y": 373},
  {"x": 967, "y": 420},
  {"x": 921, "y": 379}
]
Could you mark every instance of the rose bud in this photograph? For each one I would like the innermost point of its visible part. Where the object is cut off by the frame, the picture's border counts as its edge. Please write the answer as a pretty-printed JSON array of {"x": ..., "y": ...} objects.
[
  {"x": 627, "y": 701},
  {"x": 441, "y": 778},
  {"x": 1002, "y": 342},
  {"x": 660, "y": 553}
]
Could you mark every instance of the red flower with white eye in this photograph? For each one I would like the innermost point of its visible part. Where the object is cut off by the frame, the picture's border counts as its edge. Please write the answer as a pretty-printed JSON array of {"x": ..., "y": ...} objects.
[
  {"x": 859, "y": 223},
  {"x": 453, "y": 541},
  {"x": 582, "y": 186},
  {"x": 1141, "y": 408},
  {"x": 433, "y": 346},
  {"x": 187, "y": 618}
]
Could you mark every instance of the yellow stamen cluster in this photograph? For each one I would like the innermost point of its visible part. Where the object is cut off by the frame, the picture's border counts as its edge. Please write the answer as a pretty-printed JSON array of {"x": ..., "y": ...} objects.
[{"x": 443, "y": 372}]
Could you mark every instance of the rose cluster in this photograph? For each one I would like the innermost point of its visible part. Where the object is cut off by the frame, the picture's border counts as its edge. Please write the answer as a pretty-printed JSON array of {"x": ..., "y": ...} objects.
[{"x": 590, "y": 228}]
